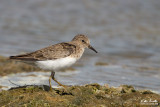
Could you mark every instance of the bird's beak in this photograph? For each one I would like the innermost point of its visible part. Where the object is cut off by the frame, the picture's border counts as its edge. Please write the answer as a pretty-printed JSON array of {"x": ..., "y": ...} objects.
[{"x": 90, "y": 47}]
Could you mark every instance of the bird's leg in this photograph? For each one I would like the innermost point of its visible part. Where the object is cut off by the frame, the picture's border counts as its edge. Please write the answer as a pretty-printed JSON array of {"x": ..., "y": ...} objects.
[
  {"x": 50, "y": 85},
  {"x": 52, "y": 76}
]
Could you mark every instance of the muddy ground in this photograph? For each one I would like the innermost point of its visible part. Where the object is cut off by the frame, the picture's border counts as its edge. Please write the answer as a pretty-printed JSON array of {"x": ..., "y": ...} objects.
[{"x": 88, "y": 96}]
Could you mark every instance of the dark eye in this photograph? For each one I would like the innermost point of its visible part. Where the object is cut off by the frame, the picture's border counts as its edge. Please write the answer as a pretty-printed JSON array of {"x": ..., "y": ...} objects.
[{"x": 83, "y": 41}]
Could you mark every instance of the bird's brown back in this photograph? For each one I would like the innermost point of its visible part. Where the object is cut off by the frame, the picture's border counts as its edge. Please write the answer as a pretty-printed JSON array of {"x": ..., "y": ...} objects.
[{"x": 56, "y": 51}]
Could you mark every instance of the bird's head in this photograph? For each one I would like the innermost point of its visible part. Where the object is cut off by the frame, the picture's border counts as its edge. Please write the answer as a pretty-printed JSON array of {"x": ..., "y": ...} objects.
[{"x": 83, "y": 41}]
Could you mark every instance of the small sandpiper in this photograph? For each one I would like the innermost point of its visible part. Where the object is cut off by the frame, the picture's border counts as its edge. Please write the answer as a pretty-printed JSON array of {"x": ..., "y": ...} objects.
[{"x": 58, "y": 56}]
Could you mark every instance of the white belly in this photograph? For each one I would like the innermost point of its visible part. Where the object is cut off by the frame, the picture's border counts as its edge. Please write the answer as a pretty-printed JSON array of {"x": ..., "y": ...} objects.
[{"x": 56, "y": 64}]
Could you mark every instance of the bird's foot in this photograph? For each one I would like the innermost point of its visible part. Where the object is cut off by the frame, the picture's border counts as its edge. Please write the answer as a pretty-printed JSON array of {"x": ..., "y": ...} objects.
[{"x": 64, "y": 86}]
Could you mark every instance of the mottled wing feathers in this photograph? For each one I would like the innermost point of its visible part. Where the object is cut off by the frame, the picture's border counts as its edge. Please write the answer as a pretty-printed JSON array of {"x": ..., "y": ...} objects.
[{"x": 56, "y": 51}]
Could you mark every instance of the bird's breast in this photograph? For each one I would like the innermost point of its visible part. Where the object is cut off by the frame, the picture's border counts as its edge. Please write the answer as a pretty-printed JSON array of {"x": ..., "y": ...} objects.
[{"x": 78, "y": 53}]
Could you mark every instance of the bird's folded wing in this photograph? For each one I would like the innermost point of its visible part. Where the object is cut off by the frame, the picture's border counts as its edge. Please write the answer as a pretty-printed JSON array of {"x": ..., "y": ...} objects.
[{"x": 56, "y": 51}]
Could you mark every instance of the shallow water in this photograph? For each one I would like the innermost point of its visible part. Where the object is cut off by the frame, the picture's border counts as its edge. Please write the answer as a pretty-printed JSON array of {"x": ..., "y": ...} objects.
[{"x": 125, "y": 32}]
